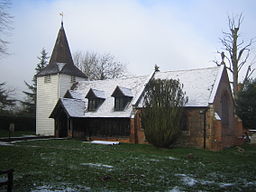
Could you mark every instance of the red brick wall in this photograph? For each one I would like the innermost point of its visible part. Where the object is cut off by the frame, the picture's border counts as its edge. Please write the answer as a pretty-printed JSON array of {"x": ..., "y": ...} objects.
[
  {"x": 137, "y": 132},
  {"x": 203, "y": 129},
  {"x": 194, "y": 136},
  {"x": 227, "y": 130}
]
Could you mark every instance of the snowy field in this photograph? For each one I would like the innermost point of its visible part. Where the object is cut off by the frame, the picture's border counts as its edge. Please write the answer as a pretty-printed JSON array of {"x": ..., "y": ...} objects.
[{"x": 71, "y": 165}]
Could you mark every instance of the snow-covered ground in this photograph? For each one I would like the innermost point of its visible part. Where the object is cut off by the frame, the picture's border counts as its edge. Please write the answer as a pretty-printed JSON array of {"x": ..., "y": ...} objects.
[
  {"x": 97, "y": 165},
  {"x": 63, "y": 187},
  {"x": 105, "y": 142},
  {"x": 2, "y": 143}
]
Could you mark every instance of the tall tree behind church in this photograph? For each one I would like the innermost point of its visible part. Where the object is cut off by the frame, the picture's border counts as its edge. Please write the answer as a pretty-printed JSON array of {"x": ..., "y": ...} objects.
[
  {"x": 29, "y": 104},
  {"x": 99, "y": 66},
  {"x": 236, "y": 52}
]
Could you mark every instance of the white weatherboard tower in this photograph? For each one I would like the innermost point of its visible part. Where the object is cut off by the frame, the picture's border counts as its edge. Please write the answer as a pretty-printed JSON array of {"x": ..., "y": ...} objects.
[{"x": 53, "y": 82}]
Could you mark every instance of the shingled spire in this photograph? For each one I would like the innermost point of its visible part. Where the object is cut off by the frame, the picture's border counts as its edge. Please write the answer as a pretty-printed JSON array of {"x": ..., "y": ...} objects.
[{"x": 61, "y": 59}]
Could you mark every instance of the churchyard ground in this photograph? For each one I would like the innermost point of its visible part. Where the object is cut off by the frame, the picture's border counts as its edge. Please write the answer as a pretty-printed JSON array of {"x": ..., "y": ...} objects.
[
  {"x": 5, "y": 133},
  {"x": 74, "y": 165}
]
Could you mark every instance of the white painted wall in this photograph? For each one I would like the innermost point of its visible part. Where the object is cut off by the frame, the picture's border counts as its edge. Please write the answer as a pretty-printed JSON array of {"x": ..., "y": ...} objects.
[
  {"x": 65, "y": 83},
  {"x": 47, "y": 97}
]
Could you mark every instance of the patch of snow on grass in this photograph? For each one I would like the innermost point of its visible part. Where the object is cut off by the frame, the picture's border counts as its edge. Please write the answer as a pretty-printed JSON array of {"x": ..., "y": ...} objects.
[
  {"x": 50, "y": 189},
  {"x": 222, "y": 185},
  {"x": 154, "y": 160},
  {"x": 172, "y": 158},
  {"x": 200, "y": 163},
  {"x": 175, "y": 189},
  {"x": 205, "y": 182},
  {"x": 5, "y": 144},
  {"x": 105, "y": 142},
  {"x": 62, "y": 187},
  {"x": 97, "y": 165},
  {"x": 187, "y": 180},
  {"x": 250, "y": 183}
]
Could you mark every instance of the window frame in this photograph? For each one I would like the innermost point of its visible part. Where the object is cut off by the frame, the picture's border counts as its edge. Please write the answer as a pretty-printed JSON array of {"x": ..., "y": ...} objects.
[
  {"x": 47, "y": 79},
  {"x": 72, "y": 79},
  {"x": 121, "y": 103},
  {"x": 94, "y": 103}
]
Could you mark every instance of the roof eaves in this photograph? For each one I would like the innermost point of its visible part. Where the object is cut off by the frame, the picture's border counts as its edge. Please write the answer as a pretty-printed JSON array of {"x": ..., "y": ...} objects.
[
  {"x": 59, "y": 103},
  {"x": 216, "y": 84},
  {"x": 136, "y": 101}
]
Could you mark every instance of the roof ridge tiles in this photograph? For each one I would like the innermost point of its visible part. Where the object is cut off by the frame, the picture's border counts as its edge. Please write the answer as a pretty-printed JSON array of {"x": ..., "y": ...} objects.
[{"x": 194, "y": 69}]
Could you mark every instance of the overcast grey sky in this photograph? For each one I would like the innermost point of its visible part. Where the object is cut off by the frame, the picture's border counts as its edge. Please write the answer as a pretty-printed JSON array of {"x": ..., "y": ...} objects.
[{"x": 174, "y": 34}]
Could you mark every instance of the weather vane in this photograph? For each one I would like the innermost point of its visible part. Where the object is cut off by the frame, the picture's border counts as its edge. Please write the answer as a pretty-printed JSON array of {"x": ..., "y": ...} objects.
[{"x": 61, "y": 14}]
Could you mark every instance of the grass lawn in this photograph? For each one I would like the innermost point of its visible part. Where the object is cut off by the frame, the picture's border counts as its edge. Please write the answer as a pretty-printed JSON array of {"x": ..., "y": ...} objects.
[
  {"x": 72, "y": 165},
  {"x": 5, "y": 133}
]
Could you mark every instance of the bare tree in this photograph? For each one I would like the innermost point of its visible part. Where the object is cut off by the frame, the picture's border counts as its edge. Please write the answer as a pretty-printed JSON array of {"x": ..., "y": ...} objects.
[
  {"x": 236, "y": 52},
  {"x": 97, "y": 66},
  {"x": 5, "y": 20}
]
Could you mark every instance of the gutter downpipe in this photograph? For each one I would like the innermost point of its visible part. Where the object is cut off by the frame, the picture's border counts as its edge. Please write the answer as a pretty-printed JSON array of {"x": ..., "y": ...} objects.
[{"x": 203, "y": 112}]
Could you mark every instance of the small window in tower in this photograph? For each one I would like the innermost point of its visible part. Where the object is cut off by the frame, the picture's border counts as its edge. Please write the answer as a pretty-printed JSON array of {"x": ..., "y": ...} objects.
[
  {"x": 73, "y": 79},
  {"x": 47, "y": 79}
]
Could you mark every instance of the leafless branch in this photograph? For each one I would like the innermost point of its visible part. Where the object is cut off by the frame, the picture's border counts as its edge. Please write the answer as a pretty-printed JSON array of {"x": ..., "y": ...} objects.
[
  {"x": 97, "y": 66},
  {"x": 241, "y": 64}
]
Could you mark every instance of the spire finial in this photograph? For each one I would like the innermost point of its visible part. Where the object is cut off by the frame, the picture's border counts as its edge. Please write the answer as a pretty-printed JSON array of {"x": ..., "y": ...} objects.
[{"x": 61, "y": 14}]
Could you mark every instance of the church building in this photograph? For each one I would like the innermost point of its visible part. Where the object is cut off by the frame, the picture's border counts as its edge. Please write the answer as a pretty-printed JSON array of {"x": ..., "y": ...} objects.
[
  {"x": 53, "y": 82},
  {"x": 70, "y": 105}
]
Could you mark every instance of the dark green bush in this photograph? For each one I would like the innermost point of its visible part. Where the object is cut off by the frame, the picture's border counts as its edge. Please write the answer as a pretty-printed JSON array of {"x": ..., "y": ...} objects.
[{"x": 163, "y": 108}]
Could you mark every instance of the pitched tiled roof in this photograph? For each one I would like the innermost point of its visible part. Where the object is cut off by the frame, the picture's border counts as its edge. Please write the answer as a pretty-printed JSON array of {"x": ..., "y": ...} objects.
[
  {"x": 135, "y": 84},
  {"x": 198, "y": 83},
  {"x": 200, "y": 86},
  {"x": 61, "y": 60},
  {"x": 124, "y": 91},
  {"x": 73, "y": 107},
  {"x": 96, "y": 93}
]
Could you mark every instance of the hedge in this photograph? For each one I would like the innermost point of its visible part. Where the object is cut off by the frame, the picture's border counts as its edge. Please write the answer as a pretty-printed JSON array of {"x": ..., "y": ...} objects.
[{"x": 22, "y": 123}]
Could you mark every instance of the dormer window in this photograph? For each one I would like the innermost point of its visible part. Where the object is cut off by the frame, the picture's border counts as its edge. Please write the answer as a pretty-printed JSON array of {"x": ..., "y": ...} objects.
[
  {"x": 122, "y": 97},
  {"x": 95, "y": 99}
]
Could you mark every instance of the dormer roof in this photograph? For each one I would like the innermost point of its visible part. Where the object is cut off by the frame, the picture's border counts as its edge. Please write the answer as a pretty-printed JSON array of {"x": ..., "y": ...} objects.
[
  {"x": 61, "y": 59},
  {"x": 122, "y": 92},
  {"x": 94, "y": 93}
]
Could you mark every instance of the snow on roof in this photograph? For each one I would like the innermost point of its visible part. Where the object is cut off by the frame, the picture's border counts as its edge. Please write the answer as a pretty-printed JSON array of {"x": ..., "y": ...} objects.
[
  {"x": 76, "y": 95},
  {"x": 198, "y": 83},
  {"x": 217, "y": 117},
  {"x": 99, "y": 93},
  {"x": 200, "y": 86},
  {"x": 134, "y": 84},
  {"x": 74, "y": 107},
  {"x": 126, "y": 91},
  {"x": 60, "y": 65}
]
